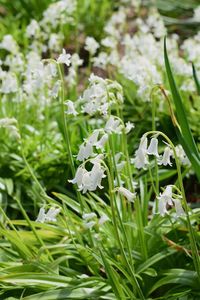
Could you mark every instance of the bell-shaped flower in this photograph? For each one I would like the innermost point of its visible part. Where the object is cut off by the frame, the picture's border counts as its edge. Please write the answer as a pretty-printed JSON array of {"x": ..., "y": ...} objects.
[
  {"x": 127, "y": 194},
  {"x": 101, "y": 143},
  {"x": 141, "y": 158},
  {"x": 113, "y": 125},
  {"x": 143, "y": 144},
  {"x": 85, "y": 151},
  {"x": 104, "y": 218},
  {"x": 128, "y": 127},
  {"x": 97, "y": 159},
  {"x": 165, "y": 199},
  {"x": 86, "y": 183},
  {"x": 64, "y": 58},
  {"x": 93, "y": 138},
  {"x": 162, "y": 207},
  {"x": 153, "y": 147},
  {"x": 78, "y": 179},
  {"x": 51, "y": 214},
  {"x": 97, "y": 174},
  {"x": 89, "y": 216},
  {"x": 89, "y": 225},
  {"x": 91, "y": 45},
  {"x": 167, "y": 195},
  {"x": 182, "y": 156},
  {"x": 165, "y": 160},
  {"x": 70, "y": 108},
  {"x": 178, "y": 207},
  {"x": 41, "y": 216}
]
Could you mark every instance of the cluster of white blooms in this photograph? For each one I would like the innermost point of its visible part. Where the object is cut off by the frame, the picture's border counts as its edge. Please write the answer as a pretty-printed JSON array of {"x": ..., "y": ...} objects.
[
  {"x": 137, "y": 57},
  {"x": 8, "y": 83},
  {"x": 33, "y": 29},
  {"x": 11, "y": 125},
  {"x": 49, "y": 216},
  {"x": 90, "y": 220},
  {"x": 197, "y": 14},
  {"x": 89, "y": 180},
  {"x": 141, "y": 156},
  {"x": 64, "y": 58},
  {"x": 86, "y": 149},
  {"x": 91, "y": 45},
  {"x": 8, "y": 43},
  {"x": 44, "y": 33},
  {"x": 100, "y": 95},
  {"x": 38, "y": 76},
  {"x": 191, "y": 48},
  {"x": 168, "y": 199},
  {"x": 152, "y": 24}
]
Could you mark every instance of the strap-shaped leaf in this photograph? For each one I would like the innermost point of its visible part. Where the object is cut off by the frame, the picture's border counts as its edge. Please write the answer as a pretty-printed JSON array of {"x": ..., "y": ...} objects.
[
  {"x": 180, "y": 111},
  {"x": 184, "y": 133},
  {"x": 196, "y": 79}
]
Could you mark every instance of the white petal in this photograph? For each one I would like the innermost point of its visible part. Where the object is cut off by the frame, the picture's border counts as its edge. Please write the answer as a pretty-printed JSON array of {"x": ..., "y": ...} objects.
[
  {"x": 41, "y": 215},
  {"x": 153, "y": 147}
]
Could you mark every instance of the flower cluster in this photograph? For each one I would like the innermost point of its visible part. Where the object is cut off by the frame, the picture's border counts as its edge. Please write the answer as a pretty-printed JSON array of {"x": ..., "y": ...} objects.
[
  {"x": 89, "y": 180},
  {"x": 49, "y": 216},
  {"x": 101, "y": 95},
  {"x": 90, "y": 220},
  {"x": 142, "y": 153},
  {"x": 11, "y": 125}
]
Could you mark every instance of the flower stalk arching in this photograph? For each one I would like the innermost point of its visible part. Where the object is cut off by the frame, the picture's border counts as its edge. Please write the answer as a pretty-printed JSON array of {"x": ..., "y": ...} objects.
[
  {"x": 153, "y": 100},
  {"x": 193, "y": 245}
]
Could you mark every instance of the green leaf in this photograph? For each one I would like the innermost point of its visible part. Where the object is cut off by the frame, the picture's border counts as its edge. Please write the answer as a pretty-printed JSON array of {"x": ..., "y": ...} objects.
[
  {"x": 66, "y": 293},
  {"x": 185, "y": 134},
  {"x": 154, "y": 259},
  {"x": 69, "y": 202},
  {"x": 196, "y": 79},
  {"x": 36, "y": 279},
  {"x": 17, "y": 243},
  {"x": 179, "y": 277},
  {"x": 114, "y": 278}
]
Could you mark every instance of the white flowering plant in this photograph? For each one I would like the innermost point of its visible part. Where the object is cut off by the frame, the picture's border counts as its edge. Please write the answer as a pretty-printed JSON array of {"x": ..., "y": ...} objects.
[{"x": 99, "y": 156}]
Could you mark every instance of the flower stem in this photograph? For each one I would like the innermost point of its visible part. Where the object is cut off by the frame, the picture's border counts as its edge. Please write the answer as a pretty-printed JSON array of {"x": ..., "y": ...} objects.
[{"x": 66, "y": 132}]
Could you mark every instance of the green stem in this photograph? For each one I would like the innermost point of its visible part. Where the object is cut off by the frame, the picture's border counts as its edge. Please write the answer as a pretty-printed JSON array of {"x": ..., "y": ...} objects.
[
  {"x": 122, "y": 200},
  {"x": 138, "y": 209},
  {"x": 154, "y": 129},
  {"x": 67, "y": 134}
]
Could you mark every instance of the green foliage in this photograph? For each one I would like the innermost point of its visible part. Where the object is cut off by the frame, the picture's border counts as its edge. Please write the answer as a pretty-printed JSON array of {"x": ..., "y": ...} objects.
[
  {"x": 134, "y": 254},
  {"x": 184, "y": 132}
]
